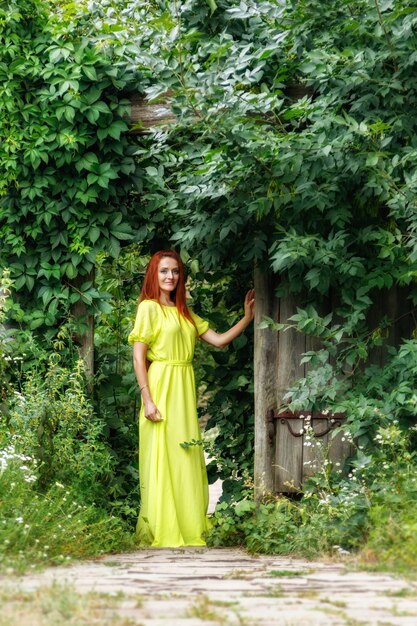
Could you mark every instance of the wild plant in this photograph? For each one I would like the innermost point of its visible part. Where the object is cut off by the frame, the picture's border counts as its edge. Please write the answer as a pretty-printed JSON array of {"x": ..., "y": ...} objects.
[{"x": 50, "y": 526}]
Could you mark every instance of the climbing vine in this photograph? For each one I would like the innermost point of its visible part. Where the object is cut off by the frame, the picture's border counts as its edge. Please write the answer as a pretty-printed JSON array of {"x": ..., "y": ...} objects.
[{"x": 66, "y": 158}]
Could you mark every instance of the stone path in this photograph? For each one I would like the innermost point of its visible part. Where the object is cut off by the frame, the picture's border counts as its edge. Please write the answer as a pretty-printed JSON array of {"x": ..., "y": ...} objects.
[{"x": 211, "y": 587}]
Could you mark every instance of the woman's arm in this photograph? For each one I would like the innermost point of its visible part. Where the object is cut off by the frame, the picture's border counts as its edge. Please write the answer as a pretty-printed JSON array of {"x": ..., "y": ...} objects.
[
  {"x": 140, "y": 351},
  {"x": 221, "y": 340}
]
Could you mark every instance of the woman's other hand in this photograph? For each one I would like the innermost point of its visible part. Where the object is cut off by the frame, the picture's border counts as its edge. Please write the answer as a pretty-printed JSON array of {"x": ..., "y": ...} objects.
[
  {"x": 152, "y": 413},
  {"x": 250, "y": 305}
]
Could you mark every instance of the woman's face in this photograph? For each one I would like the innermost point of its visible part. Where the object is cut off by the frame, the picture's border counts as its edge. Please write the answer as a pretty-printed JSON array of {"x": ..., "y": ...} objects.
[{"x": 168, "y": 274}]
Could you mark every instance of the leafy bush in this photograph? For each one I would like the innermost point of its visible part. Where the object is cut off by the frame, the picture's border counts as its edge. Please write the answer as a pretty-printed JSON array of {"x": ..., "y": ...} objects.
[
  {"x": 50, "y": 526},
  {"x": 371, "y": 511},
  {"x": 58, "y": 472},
  {"x": 53, "y": 421}
]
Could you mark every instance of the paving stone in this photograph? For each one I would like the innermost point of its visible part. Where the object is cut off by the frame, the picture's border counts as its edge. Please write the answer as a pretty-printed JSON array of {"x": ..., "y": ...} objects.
[{"x": 183, "y": 587}]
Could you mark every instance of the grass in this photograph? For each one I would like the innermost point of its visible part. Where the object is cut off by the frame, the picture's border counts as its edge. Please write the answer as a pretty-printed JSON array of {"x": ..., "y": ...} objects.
[
  {"x": 239, "y": 574},
  {"x": 396, "y": 612},
  {"x": 288, "y": 573},
  {"x": 62, "y": 605},
  {"x": 204, "y": 609},
  {"x": 275, "y": 592},
  {"x": 348, "y": 621},
  {"x": 39, "y": 529},
  {"x": 405, "y": 592},
  {"x": 308, "y": 594},
  {"x": 340, "y": 604}
]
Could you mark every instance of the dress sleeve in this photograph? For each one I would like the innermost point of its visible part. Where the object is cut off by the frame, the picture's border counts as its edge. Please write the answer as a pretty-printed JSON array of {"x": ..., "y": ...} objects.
[
  {"x": 146, "y": 323},
  {"x": 202, "y": 325}
]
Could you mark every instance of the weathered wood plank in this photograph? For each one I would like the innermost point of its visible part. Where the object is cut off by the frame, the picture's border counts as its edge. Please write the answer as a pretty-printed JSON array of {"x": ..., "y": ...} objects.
[
  {"x": 292, "y": 344},
  {"x": 265, "y": 356},
  {"x": 340, "y": 450},
  {"x": 288, "y": 449},
  {"x": 82, "y": 315},
  {"x": 288, "y": 456},
  {"x": 312, "y": 344},
  {"x": 145, "y": 115},
  {"x": 314, "y": 448}
]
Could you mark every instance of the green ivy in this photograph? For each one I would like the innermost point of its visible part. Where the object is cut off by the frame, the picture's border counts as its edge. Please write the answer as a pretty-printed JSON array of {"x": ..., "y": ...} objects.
[
  {"x": 66, "y": 158},
  {"x": 294, "y": 148}
]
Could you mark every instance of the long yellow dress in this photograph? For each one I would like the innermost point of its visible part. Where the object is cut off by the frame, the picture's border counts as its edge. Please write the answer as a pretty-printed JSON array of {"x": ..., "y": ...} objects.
[{"x": 173, "y": 479}]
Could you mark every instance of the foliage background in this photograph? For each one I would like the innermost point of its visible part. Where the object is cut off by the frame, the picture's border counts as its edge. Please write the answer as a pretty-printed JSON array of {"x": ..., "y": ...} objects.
[{"x": 293, "y": 148}]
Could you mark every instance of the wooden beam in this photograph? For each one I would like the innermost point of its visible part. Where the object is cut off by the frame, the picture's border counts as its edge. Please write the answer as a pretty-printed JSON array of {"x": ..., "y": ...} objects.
[
  {"x": 145, "y": 115},
  {"x": 265, "y": 367},
  {"x": 82, "y": 315}
]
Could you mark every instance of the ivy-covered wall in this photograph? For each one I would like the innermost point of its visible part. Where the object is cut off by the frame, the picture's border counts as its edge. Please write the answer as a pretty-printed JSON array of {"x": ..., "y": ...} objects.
[{"x": 66, "y": 158}]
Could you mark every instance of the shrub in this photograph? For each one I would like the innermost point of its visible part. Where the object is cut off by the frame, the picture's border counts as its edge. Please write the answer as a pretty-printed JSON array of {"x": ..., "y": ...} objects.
[
  {"x": 50, "y": 526},
  {"x": 370, "y": 512},
  {"x": 52, "y": 420}
]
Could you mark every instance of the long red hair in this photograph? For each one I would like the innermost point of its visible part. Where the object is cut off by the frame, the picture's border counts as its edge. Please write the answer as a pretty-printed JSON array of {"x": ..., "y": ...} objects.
[{"x": 150, "y": 287}]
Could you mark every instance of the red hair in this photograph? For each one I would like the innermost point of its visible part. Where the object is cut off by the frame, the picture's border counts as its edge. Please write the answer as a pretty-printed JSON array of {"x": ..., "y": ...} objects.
[{"x": 150, "y": 287}]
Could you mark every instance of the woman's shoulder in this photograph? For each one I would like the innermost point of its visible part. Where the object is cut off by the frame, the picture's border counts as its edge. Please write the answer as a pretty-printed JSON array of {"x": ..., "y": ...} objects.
[
  {"x": 149, "y": 304},
  {"x": 149, "y": 308}
]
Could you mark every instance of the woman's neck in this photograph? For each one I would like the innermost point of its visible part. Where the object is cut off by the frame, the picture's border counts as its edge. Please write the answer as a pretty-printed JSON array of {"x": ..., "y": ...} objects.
[{"x": 165, "y": 300}]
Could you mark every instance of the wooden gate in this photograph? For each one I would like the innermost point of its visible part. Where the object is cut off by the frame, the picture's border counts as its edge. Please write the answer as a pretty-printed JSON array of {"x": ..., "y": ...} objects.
[
  {"x": 303, "y": 443},
  {"x": 281, "y": 459}
]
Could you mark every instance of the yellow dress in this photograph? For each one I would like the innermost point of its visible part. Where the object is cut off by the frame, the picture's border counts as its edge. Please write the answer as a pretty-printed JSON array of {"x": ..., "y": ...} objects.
[{"x": 173, "y": 480}]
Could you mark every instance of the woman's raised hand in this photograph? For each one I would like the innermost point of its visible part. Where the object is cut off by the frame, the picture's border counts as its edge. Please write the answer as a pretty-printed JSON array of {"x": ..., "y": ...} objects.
[{"x": 250, "y": 305}]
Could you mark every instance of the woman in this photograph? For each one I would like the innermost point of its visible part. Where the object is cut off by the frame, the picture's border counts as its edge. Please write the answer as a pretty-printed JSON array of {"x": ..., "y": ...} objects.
[{"x": 173, "y": 479}]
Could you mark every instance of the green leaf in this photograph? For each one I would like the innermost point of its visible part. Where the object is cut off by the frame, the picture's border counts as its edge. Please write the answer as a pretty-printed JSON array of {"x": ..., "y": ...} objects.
[
  {"x": 90, "y": 72},
  {"x": 30, "y": 282},
  {"x": 70, "y": 270},
  {"x": 104, "y": 307},
  {"x": 372, "y": 159},
  {"x": 212, "y": 5},
  {"x": 116, "y": 128},
  {"x": 19, "y": 282},
  {"x": 114, "y": 247},
  {"x": 87, "y": 162},
  {"x": 93, "y": 234},
  {"x": 92, "y": 95}
]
